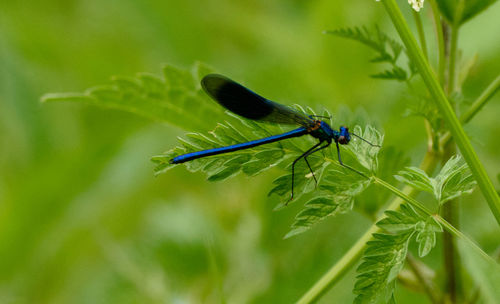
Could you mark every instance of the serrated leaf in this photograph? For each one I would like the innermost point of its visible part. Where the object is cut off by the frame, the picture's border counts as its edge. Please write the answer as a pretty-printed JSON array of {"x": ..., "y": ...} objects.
[
  {"x": 454, "y": 180},
  {"x": 366, "y": 37},
  {"x": 384, "y": 256},
  {"x": 417, "y": 178},
  {"x": 396, "y": 73},
  {"x": 376, "y": 274},
  {"x": 316, "y": 210},
  {"x": 381, "y": 43},
  {"x": 366, "y": 154},
  {"x": 426, "y": 235},
  {"x": 174, "y": 98}
]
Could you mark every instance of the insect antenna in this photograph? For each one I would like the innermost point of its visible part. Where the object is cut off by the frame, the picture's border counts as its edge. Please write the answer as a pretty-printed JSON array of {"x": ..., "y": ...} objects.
[{"x": 373, "y": 145}]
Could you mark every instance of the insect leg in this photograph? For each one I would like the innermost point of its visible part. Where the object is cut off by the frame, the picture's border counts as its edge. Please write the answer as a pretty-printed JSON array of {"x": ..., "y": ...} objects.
[
  {"x": 307, "y": 162},
  {"x": 295, "y": 161},
  {"x": 342, "y": 164}
]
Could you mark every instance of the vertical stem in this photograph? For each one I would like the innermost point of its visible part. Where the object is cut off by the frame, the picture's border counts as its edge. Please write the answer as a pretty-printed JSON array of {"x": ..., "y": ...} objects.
[
  {"x": 450, "y": 209},
  {"x": 440, "y": 41},
  {"x": 421, "y": 34},
  {"x": 450, "y": 255},
  {"x": 428, "y": 288},
  {"x": 453, "y": 61},
  {"x": 437, "y": 94}
]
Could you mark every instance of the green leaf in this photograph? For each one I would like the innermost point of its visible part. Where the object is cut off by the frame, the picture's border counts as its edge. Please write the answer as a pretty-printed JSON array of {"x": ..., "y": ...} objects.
[
  {"x": 484, "y": 271},
  {"x": 382, "y": 261},
  {"x": 400, "y": 221},
  {"x": 460, "y": 11},
  {"x": 391, "y": 159},
  {"x": 338, "y": 190},
  {"x": 316, "y": 210},
  {"x": 384, "y": 256},
  {"x": 175, "y": 98},
  {"x": 417, "y": 178},
  {"x": 454, "y": 180},
  {"x": 388, "y": 50},
  {"x": 366, "y": 154},
  {"x": 426, "y": 108},
  {"x": 426, "y": 235},
  {"x": 396, "y": 73},
  {"x": 339, "y": 185},
  {"x": 376, "y": 41}
]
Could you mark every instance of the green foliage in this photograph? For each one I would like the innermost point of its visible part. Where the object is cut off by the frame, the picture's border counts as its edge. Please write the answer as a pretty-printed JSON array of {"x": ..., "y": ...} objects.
[
  {"x": 174, "y": 98},
  {"x": 454, "y": 180},
  {"x": 425, "y": 108},
  {"x": 391, "y": 159},
  {"x": 388, "y": 50},
  {"x": 82, "y": 219},
  {"x": 338, "y": 190},
  {"x": 385, "y": 255},
  {"x": 484, "y": 272},
  {"x": 498, "y": 178},
  {"x": 459, "y": 11},
  {"x": 177, "y": 99},
  {"x": 395, "y": 73},
  {"x": 338, "y": 184}
]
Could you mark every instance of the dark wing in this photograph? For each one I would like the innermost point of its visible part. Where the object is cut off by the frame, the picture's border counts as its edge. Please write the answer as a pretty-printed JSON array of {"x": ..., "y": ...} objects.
[{"x": 240, "y": 100}]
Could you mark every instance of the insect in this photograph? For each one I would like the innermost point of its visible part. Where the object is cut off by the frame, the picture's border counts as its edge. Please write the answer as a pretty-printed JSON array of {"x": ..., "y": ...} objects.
[{"x": 242, "y": 101}]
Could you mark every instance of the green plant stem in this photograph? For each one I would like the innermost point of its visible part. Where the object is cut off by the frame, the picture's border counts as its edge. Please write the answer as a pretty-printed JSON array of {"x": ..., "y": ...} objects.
[
  {"x": 419, "y": 273},
  {"x": 352, "y": 256},
  {"x": 451, "y": 257},
  {"x": 416, "y": 204},
  {"x": 402, "y": 195},
  {"x": 458, "y": 234},
  {"x": 452, "y": 66},
  {"x": 429, "y": 163},
  {"x": 445, "y": 108},
  {"x": 341, "y": 267},
  {"x": 481, "y": 100},
  {"x": 421, "y": 34},
  {"x": 440, "y": 41},
  {"x": 476, "y": 106}
]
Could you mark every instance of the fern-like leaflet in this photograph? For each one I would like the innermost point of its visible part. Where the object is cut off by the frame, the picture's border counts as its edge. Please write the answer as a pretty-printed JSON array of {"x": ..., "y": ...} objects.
[
  {"x": 388, "y": 51},
  {"x": 385, "y": 254}
]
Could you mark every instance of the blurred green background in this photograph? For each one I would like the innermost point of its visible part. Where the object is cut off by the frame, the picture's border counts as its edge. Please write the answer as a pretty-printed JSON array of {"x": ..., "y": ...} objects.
[{"x": 83, "y": 219}]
